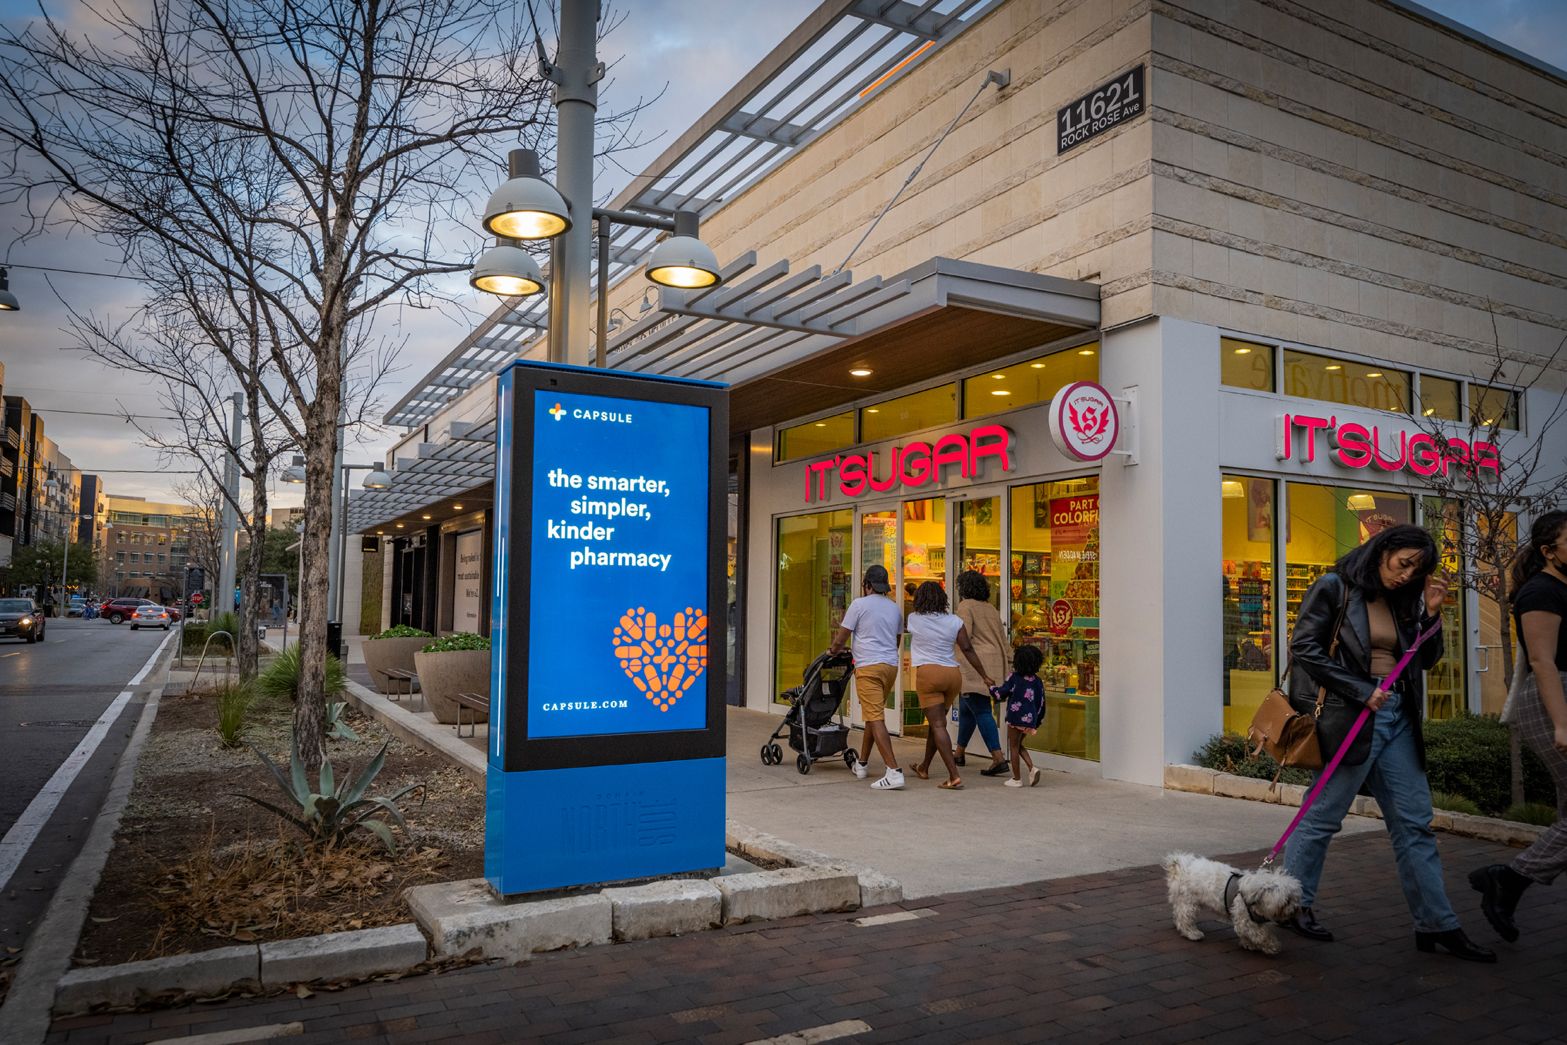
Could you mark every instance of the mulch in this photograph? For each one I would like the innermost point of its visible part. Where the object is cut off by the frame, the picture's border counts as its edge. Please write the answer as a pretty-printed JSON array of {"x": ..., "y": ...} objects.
[{"x": 195, "y": 866}]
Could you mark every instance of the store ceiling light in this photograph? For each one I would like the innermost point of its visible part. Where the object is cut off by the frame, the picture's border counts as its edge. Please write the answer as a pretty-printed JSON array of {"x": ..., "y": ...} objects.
[
  {"x": 399, "y": 526},
  {"x": 456, "y": 507},
  {"x": 861, "y": 371},
  {"x": 999, "y": 392},
  {"x": 999, "y": 377},
  {"x": 1085, "y": 352},
  {"x": 426, "y": 518},
  {"x": 1243, "y": 351},
  {"x": 1428, "y": 411},
  {"x": 1231, "y": 489},
  {"x": 1333, "y": 366},
  {"x": 821, "y": 424},
  {"x": 872, "y": 410},
  {"x": 1373, "y": 373},
  {"x": 1037, "y": 366},
  {"x": 1360, "y": 502}
]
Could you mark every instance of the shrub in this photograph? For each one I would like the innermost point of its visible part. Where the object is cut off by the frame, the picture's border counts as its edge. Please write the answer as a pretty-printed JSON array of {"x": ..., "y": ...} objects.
[
  {"x": 463, "y": 640},
  {"x": 330, "y": 811},
  {"x": 280, "y": 680},
  {"x": 1229, "y": 753},
  {"x": 1537, "y": 813},
  {"x": 234, "y": 700},
  {"x": 403, "y": 631},
  {"x": 1453, "y": 803},
  {"x": 1467, "y": 756}
]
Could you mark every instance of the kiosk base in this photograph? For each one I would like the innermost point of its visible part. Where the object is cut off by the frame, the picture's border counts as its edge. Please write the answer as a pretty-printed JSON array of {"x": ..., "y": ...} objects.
[{"x": 549, "y": 829}]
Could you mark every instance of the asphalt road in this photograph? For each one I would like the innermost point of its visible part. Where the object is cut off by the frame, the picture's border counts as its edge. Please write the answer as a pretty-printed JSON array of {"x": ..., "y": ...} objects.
[{"x": 51, "y": 693}]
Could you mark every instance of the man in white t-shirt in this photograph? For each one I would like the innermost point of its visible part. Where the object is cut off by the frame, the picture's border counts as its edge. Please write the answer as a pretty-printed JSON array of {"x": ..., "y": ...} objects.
[{"x": 875, "y": 622}]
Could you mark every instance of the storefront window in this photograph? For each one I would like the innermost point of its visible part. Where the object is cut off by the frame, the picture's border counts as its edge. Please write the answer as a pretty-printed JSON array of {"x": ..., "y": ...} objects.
[
  {"x": 820, "y": 436},
  {"x": 1445, "y": 682},
  {"x": 1031, "y": 381},
  {"x": 978, "y": 540},
  {"x": 813, "y": 590},
  {"x": 1493, "y": 406},
  {"x": 1325, "y": 523},
  {"x": 1054, "y": 599},
  {"x": 1438, "y": 398},
  {"x": 1246, "y": 364},
  {"x": 1343, "y": 381},
  {"x": 1493, "y": 679},
  {"x": 910, "y": 413},
  {"x": 1248, "y": 507}
]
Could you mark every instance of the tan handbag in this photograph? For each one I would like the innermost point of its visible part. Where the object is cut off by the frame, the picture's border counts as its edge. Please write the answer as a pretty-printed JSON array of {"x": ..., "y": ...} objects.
[{"x": 1290, "y": 736}]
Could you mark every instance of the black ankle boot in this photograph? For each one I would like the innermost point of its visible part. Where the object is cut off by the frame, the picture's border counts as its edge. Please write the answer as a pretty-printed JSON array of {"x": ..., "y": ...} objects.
[
  {"x": 1500, "y": 888},
  {"x": 1304, "y": 923},
  {"x": 1455, "y": 943}
]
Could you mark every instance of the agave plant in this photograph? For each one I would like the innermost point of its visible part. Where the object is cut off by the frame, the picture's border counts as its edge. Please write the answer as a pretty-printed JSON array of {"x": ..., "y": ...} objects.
[
  {"x": 335, "y": 726},
  {"x": 332, "y": 810}
]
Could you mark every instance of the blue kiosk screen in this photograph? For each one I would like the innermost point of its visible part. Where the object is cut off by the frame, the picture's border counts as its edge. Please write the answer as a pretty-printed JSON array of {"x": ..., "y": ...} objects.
[{"x": 618, "y": 634}]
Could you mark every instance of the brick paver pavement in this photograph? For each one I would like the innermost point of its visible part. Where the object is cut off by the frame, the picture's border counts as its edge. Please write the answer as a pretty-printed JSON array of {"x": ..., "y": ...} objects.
[{"x": 1084, "y": 960}]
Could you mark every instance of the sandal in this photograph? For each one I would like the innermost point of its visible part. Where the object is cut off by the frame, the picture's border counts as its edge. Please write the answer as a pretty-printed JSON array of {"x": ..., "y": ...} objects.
[
  {"x": 923, "y": 774},
  {"x": 951, "y": 785}
]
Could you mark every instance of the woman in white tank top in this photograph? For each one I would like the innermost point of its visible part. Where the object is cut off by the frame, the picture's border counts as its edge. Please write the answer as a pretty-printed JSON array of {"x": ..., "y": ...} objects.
[{"x": 933, "y": 634}]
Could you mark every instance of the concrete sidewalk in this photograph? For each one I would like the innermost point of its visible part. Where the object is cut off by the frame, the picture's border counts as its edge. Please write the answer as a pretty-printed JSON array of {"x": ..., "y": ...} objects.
[{"x": 934, "y": 841}]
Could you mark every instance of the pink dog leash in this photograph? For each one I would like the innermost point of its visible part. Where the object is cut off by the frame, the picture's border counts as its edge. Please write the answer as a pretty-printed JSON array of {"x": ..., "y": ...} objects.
[{"x": 1354, "y": 730}]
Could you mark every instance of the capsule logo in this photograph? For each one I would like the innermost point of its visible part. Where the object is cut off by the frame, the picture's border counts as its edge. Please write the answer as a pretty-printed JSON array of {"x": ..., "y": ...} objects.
[
  {"x": 556, "y": 411},
  {"x": 662, "y": 660}
]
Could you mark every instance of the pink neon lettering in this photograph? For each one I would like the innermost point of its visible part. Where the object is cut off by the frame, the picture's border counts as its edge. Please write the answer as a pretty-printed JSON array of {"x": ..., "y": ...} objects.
[
  {"x": 989, "y": 441},
  {"x": 1376, "y": 451},
  {"x": 852, "y": 475},
  {"x": 1286, "y": 437},
  {"x": 1487, "y": 456},
  {"x": 1354, "y": 451},
  {"x": 882, "y": 486},
  {"x": 950, "y": 450},
  {"x": 1424, "y": 458},
  {"x": 1311, "y": 424},
  {"x": 916, "y": 468}
]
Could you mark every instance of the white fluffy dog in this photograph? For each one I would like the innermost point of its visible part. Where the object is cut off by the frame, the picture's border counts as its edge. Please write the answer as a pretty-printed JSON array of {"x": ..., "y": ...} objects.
[{"x": 1252, "y": 900}]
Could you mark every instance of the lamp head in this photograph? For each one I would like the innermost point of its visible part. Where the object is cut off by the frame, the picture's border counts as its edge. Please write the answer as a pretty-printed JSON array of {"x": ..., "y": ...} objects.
[
  {"x": 379, "y": 479},
  {"x": 508, "y": 271},
  {"x": 526, "y": 206},
  {"x": 683, "y": 262},
  {"x": 8, "y": 302},
  {"x": 295, "y": 473}
]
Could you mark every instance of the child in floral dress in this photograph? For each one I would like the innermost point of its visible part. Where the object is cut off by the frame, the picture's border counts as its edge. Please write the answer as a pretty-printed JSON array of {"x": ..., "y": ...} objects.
[{"x": 1024, "y": 696}]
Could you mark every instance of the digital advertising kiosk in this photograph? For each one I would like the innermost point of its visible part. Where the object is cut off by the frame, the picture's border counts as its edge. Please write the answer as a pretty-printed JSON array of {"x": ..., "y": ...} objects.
[{"x": 606, "y": 747}]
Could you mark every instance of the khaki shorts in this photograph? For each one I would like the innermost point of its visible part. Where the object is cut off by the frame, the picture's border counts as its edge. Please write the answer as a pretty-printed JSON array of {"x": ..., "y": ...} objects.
[
  {"x": 872, "y": 683},
  {"x": 937, "y": 684}
]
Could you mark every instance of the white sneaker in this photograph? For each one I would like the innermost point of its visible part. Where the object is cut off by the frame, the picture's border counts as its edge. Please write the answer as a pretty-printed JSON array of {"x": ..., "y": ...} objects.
[
  {"x": 1014, "y": 782},
  {"x": 858, "y": 767},
  {"x": 893, "y": 781}
]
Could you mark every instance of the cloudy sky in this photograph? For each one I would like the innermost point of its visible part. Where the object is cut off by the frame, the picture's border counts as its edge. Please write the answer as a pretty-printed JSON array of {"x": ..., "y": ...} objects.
[{"x": 675, "y": 47}]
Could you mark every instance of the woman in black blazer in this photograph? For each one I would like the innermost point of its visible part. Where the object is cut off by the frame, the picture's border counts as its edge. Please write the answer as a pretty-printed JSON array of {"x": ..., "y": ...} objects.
[{"x": 1385, "y": 594}]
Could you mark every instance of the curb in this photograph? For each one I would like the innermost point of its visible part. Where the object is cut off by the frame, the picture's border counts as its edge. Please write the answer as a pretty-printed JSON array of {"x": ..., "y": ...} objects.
[
  {"x": 407, "y": 726},
  {"x": 876, "y": 889},
  {"x": 1203, "y": 781},
  {"x": 25, "y": 1017}
]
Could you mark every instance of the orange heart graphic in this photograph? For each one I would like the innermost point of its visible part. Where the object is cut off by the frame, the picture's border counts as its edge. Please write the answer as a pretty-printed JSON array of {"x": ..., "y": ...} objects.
[{"x": 662, "y": 660}]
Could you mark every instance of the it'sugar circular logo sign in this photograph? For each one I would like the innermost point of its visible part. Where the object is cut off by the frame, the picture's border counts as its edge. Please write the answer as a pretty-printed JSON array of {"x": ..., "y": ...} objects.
[{"x": 1083, "y": 421}]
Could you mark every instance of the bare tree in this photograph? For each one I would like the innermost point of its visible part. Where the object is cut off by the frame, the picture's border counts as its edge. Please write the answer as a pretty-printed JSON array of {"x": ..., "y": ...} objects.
[
  {"x": 300, "y": 157},
  {"x": 1485, "y": 474}
]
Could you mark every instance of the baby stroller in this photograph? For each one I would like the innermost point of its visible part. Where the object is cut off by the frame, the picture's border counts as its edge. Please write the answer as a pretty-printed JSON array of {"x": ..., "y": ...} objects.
[{"x": 812, "y": 706}]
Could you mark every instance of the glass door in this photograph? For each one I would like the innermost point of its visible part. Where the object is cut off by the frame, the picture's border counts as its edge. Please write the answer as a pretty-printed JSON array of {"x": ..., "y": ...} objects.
[
  {"x": 878, "y": 544},
  {"x": 924, "y": 558},
  {"x": 976, "y": 543}
]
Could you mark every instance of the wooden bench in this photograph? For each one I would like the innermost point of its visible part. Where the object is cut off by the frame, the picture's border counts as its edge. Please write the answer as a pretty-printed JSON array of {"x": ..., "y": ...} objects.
[
  {"x": 407, "y": 678},
  {"x": 478, "y": 703}
]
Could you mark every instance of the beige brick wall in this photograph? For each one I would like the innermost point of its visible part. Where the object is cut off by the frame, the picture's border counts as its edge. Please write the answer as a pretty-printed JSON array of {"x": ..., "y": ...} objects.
[{"x": 1339, "y": 173}]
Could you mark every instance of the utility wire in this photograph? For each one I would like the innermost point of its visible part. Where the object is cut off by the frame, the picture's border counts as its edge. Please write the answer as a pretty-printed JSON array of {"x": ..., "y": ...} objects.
[
  {"x": 1000, "y": 78},
  {"x": 74, "y": 272}
]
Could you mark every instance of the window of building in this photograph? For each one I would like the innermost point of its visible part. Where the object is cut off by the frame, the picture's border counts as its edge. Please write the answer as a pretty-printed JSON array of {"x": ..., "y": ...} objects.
[
  {"x": 910, "y": 413},
  {"x": 1054, "y": 600},
  {"x": 1445, "y": 681},
  {"x": 1490, "y": 406},
  {"x": 1438, "y": 398},
  {"x": 1246, "y": 364},
  {"x": 1031, "y": 381},
  {"x": 823, "y": 435},
  {"x": 1331, "y": 380},
  {"x": 814, "y": 560},
  {"x": 1250, "y": 660},
  {"x": 1326, "y": 522}
]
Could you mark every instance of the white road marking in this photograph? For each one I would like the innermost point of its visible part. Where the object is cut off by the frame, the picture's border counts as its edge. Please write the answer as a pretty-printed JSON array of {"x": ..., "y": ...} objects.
[
  {"x": 830, "y": 1032},
  {"x": 238, "y": 1037},
  {"x": 895, "y": 916},
  {"x": 18, "y": 840},
  {"x": 18, "y": 653}
]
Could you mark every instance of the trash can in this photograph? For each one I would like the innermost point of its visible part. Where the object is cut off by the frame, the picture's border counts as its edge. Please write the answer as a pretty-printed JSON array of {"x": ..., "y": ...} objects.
[{"x": 334, "y": 639}]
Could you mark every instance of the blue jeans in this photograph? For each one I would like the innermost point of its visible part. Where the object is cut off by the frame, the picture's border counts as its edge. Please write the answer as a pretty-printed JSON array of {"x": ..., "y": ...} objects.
[
  {"x": 1400, "y": 787},
  {"x": 974, "y": 710}
]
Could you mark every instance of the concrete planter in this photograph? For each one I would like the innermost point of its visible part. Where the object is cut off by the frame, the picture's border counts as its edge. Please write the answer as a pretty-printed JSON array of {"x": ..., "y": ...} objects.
[
  {"x": 444, "y": 675},
  {"x": 381, "y": 654}
]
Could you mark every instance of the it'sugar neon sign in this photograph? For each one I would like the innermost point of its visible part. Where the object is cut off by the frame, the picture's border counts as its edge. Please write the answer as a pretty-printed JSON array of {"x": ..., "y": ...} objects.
[{"x": 1354, "y": 445}]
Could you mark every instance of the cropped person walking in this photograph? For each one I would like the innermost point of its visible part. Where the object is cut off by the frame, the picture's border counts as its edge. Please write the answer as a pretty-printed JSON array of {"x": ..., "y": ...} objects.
[
  {"x": 1354, "y": 624},
  {"x": 875, "y": 622},
  {"x": 933, "y": 635},
  {"x": 990, "y": 640},
  {"x": 1539, "y": 712}
]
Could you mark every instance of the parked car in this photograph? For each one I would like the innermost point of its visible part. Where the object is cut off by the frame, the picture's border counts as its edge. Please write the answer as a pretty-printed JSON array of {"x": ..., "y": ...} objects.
[
  {"x": 117, "y": 611},
  {"x": 21, "y": 619},
  {"x": 150, "y": 616},
  {"x": 76, "y": 606}
]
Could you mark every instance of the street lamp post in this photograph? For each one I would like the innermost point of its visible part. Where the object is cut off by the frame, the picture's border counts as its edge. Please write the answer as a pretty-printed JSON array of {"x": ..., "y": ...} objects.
[{"x": 378, "y": 479}]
